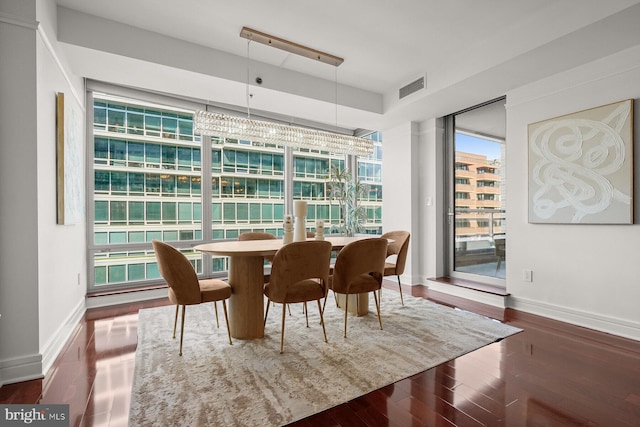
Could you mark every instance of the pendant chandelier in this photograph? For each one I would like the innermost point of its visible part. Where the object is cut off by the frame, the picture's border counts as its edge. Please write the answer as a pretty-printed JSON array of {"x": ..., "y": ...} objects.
[{"x": 224, "y": 125}]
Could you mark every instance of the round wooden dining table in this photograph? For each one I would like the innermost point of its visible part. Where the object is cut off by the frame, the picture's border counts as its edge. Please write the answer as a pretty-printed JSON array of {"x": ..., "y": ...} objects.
[{"x": 246, "y": 277}]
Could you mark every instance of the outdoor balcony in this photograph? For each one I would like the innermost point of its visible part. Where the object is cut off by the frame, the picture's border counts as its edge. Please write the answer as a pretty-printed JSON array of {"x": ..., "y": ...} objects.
[{"x": 480, "y": 245}]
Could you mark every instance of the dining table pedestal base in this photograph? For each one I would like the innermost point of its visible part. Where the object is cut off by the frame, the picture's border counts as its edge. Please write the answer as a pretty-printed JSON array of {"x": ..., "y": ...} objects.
[
  {"x": 246, "y": 305},
  {"x": 358, "y": 303}
]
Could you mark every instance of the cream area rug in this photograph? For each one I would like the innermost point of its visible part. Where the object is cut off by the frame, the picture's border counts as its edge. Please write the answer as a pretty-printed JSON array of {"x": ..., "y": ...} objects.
[{"x": 251, "y": 384}]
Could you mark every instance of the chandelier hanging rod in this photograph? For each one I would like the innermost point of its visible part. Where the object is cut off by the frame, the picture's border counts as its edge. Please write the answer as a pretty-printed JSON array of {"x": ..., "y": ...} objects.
[{"x": 289, "y": 46}]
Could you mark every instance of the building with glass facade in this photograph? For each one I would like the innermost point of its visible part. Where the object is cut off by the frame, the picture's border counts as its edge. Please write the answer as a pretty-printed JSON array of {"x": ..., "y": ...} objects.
[
  {"x": 148, "y": 171},
  {"x": 479, "y": 206}
]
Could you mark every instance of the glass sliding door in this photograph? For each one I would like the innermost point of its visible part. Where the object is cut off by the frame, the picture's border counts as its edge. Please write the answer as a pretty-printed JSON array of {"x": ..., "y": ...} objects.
[{"x": 477, "y": 211}]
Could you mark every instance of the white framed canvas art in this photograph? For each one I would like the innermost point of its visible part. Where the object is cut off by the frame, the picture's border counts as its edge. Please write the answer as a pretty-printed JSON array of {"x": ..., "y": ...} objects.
[{"x": 581, "y": 167}]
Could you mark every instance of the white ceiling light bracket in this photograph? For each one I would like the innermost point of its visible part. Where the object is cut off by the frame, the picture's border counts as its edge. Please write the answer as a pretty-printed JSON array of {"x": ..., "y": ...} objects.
[{"x": 288, "y": 46}]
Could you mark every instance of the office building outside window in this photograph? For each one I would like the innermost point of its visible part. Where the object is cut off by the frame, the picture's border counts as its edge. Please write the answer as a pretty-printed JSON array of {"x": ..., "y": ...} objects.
[
  {"x": 370, "y": 173},
  {"x": 151, "y": 178}
]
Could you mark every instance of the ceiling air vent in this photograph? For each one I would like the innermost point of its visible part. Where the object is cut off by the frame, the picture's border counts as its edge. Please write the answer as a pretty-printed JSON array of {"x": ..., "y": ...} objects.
[{"x": 413, "y": 87}]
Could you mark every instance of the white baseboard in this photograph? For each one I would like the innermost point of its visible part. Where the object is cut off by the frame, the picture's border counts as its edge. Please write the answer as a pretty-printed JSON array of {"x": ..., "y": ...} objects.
[
  {"x": 34, "y": 366},
  {"x": 470, "y": 294},
  {"x": 21, "y": 369},
  {"x": 55, "y": 344},
  {"x": 608, "y": 324},
  {"x": 405, "y": 279}
]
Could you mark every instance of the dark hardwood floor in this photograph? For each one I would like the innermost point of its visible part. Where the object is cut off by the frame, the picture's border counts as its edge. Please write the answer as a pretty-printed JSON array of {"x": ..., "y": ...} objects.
[{"x": 552, "y": 374}]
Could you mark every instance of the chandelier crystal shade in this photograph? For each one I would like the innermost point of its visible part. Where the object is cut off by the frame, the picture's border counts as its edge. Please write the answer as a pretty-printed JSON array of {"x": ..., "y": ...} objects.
[{"x": 223, "y": 125}]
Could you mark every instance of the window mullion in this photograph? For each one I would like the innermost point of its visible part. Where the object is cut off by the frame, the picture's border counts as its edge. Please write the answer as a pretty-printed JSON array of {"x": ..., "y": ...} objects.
[
  {"x": 206, "y": 192},
  {"x": 288, "y": 180},
  {"x": 89, "y": 190}
]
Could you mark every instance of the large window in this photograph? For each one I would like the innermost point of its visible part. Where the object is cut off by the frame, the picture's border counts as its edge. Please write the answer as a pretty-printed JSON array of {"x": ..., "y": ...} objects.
[{"x": 148, "y": 172}]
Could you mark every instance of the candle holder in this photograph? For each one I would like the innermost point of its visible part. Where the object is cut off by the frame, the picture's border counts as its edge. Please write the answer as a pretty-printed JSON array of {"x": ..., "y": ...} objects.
[
  {"x": 319, "y": 230},
  {"x": 300, "y": 212},
  {"x": 288, "y": 229}
]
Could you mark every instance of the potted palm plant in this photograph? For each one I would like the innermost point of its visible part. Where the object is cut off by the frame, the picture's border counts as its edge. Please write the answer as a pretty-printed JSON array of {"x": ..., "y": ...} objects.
[{"x": 347, "y": 192}]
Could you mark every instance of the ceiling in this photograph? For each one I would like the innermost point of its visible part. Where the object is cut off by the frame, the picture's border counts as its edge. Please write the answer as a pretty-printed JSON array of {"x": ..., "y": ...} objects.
[{"x": 490, "y": 45}]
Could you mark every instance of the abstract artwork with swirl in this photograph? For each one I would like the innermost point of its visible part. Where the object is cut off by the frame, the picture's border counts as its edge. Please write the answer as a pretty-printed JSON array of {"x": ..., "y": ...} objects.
[{"x": 581, "y": 167}]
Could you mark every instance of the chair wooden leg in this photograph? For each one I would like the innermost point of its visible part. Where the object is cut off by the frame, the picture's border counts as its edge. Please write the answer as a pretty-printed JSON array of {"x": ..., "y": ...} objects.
[
  {"x": 325, "y": 302},
  {"x": 175, "y": 321},
  {"x": 266, "y": 312},
  {"x": 226, "y": 319},
  {"x": 377, "y": 308},
  {"x": 324, "y": 332},
  {"x": 306, "y": 313},
  {"x": 284, "y": 312},
  {"x": 346, "y": 311},
  {"x": 184, "y": 308},
  {"x": 289, "y": 308},
  {"x": 215, "y": 308},
  {"x": 400, "y": 287}
]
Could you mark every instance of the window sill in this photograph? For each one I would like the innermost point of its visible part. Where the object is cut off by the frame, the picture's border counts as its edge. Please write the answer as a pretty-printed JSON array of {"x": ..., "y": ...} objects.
[{"x": 469, "y": 284}]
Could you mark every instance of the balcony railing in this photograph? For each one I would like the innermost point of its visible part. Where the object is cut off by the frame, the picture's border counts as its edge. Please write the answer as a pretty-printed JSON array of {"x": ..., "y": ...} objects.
[
  {"x": 476, "y": 242},
  {"x": 491, "y": 222}
]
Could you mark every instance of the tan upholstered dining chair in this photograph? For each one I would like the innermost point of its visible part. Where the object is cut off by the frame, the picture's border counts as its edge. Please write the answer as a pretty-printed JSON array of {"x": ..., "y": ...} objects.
[
  {"x": 185, "y": 288},
  {"x": 398, "y": 247},
  {"x": 260, "y": 235},
  {"x": 299, "y": 273},
  {"x": 358, "y": 269},
  {"x": 257, "y": 235}
]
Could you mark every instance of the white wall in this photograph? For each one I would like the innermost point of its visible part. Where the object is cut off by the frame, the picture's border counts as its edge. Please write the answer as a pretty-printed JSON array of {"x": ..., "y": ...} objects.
[
  {"x": 400, "y": 194},
  {"x": 40, "y": 300},
  {"x": 429, "y": 173},
  {"x": 62, "y": 271},
  {"x": 413, "y": 194},
  {"x": 19, "y": 352},
  {"x": 584, "y": 274}
]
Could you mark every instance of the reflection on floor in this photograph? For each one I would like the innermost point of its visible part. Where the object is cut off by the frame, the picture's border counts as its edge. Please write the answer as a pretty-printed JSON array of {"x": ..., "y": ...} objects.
[{"x": 551, "y": 374}]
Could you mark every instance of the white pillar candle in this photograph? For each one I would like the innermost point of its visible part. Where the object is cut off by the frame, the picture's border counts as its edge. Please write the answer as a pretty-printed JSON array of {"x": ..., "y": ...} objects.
[
  {"x": 300, "y": 212},
  {"x": 300, "y": 208}
]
